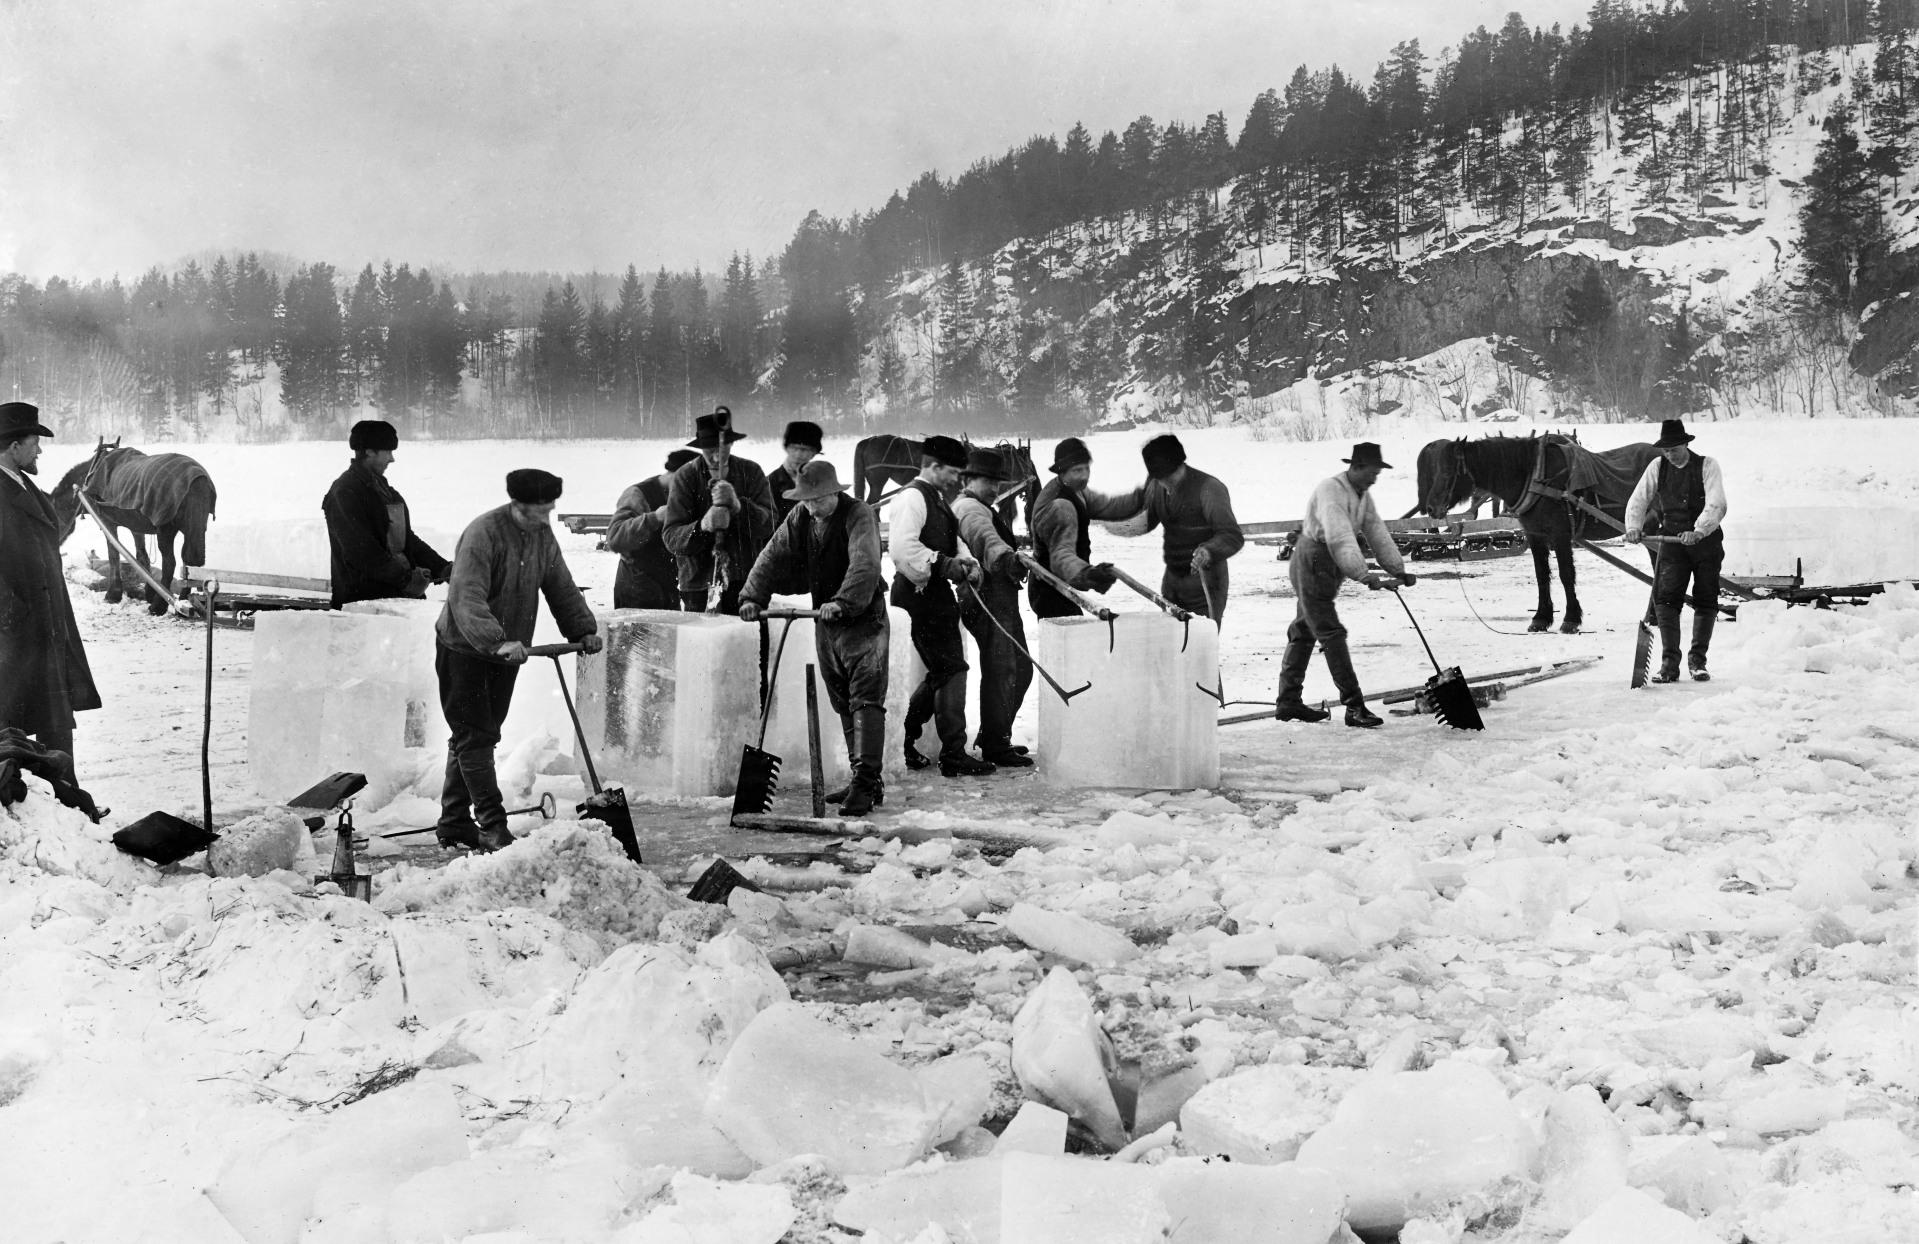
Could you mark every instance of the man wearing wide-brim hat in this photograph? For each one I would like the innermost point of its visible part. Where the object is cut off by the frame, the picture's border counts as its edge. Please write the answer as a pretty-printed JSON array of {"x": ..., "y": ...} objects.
[
  {"x": 1005, "y": 671},
  {"x": 831, "y": 542},
  {"x": 374, "y": 552},
  {"x": 719, "y": 510},
  {"x": 44, "y": 676},
  {"x": 1340, "y": 511},
  {"x": 1062, "y": 529},
  {"x": 928, "y": 559},
  {"x": 1682, "y": 496}
]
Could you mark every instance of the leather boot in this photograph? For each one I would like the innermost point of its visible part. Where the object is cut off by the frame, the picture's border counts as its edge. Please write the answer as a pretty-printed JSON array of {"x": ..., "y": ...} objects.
[
  {"x": 489, "y": 808},
  {"x": 1297, "y": 710},
  {"x": 1702, "y": 624},
  {"x": 456, "y": 827},
  {"x": 1668, "y": 646},
  {"x": 868, "y": 788},
  {"x": 852, "y": 750}
]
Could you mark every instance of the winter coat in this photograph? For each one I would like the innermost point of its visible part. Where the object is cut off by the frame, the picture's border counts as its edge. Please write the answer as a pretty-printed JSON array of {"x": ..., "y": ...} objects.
[
  {"x": 374, "y": 550},
  {"x": 499, "y": 573},
  {"x": 44, "y": 677},
  {"x": 689, "y": 496}
]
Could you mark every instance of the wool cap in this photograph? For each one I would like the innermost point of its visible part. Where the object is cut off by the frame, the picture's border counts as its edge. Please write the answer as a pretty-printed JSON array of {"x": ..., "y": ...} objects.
[
  {"x": 1070, "y": 453},
  {"x": 1163, "y": 455},
  {"x": 679, "y": 458},
  {"x": 373, "y": 434},
  {"x": 801, "y": 432},
  {"x": 986, "y": 464},
  {"x": 944, "y": 450},
  {"x": 532, "y": 486}
]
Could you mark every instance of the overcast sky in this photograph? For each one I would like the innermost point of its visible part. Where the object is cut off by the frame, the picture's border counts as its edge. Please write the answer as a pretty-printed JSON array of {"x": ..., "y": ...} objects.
[{"x": 577, "y": 134}]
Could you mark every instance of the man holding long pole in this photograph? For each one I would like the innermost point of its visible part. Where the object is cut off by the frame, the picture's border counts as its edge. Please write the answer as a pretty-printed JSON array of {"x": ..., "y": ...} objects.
[
  {"x": 1005, "y": 669},
  {"x": 717, "y": 523}
]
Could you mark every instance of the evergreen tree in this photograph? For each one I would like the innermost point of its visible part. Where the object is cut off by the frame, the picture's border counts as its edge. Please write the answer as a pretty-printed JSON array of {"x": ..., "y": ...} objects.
[
  {"x": 1842, "y": 228},
  {"x": 819, "y": 346},
  {"x": 1258, "y": 144},
  {"x": 662, "y": 346},
  {"x": 629, "y": 336},
  {"x": 311, "y": 346}
]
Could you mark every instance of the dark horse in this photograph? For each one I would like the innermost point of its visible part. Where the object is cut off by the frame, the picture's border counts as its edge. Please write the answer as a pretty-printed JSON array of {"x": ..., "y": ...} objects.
[
  {"x": 1450, "y": 471},
  {"x": 889, "y": 459},
  {"x": 163, "y": 495}
]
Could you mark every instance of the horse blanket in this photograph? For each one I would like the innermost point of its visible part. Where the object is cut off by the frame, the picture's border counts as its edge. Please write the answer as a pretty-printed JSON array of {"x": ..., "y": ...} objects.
[
  {"x": 154, "y": 486},
  {"x": 1606, "y": 479}
]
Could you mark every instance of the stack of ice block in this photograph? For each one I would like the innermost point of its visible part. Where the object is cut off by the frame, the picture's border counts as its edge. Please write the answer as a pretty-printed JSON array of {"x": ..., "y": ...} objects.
[
  {"x": 1145, "y": 722},
  {"x": 786, "y": 727},
  {"x": 671, "y": 699},
  {"x": 329, "y": 691},
  {"x": 295, "y": 546},
  {"x": 1835, "y": 546}
]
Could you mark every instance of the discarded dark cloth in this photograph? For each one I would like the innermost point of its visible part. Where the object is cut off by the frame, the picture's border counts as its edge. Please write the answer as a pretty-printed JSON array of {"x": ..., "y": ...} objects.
[{"x": 19, "y": 754}]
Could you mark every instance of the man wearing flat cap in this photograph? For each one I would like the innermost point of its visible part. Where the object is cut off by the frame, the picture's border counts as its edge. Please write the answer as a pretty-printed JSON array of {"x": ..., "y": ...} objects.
[
  {"x": 1196, "y": 512},
  {"x": 369, "y": 530},
  {"x": 991, "y": 611},
  {"x": 1681, "y": 496},
  {"x": 506, "y": 560},
  {"x": 719, "y": 512},
  {"x": 1062, "y": 529},
  {"x": 801, "y": 442},
  {"x": 831, "y": 543},
  {"x": 647, "y": 576},
  {"x": 44, "y": 676},
  {"x": 928, "y": 559},
  {"x": 1340, "y": 512}
]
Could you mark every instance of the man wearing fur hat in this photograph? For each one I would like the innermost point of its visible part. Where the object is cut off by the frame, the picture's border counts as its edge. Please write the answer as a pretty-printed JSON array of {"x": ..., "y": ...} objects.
[
  {"x": 802, "y": 442},
  {"x": 646, "y": 577},
  {"x": 991, "y": 611},
  {"x": 1196, "y": 512},
  {"x": 1681, "y": 496},
  {"x": 719, "y": 512},
  {"x": 506, "y": 560},
  {"x": 1062, "y": 529},
  {"x": 369, "y": 530},
  {"x": 928, "y": 559},
  {"x": 830, "y": 542}
]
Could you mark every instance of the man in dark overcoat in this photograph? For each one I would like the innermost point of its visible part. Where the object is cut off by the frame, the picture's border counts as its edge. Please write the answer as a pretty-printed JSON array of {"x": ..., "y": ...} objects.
[
  {"x": 44, "y": 677},
  {"x": 802, "y": 441},
  {"x": 647, "y": 577},
  {"x": 374, "y": 553},
  {"x": 716, "y": 512}
]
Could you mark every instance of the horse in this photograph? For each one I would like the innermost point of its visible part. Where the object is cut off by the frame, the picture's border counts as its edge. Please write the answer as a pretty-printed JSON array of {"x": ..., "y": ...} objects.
[
  {"x": 162, "y": 495},
  {"x": 888, "y": 459},
  {"x": 1451, "y": 471}
]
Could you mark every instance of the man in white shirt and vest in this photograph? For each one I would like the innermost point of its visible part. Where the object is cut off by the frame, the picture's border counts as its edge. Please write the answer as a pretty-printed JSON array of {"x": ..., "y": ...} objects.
[
  {"x": 1682, "y": 495},
  {"x": 928, "y": 559},
  {"x": 1341, "y": 510}
]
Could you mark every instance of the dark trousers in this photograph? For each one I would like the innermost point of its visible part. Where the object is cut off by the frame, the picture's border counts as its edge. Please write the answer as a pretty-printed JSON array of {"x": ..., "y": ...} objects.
[
  {"x": 853, "y": 662},
  {"x": 1005, "y": 672},
  {"x": 1316, "y": 579},
  {"x": 475, "y": 694},
  {"x": 634, "y": 589},
  {"x": 1680, "y": 565},
  {"x": 941, "y": 695},
  {"x": 695, "y": 602},
  {"x": 1184, "y": 589}
]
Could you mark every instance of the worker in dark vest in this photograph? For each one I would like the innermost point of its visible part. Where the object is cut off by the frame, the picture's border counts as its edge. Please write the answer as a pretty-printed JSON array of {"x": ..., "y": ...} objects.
[
  {"x": 647, "y": 577},
  {"x": 801, "y": 441},
  {"x": 1196, "y": 512},
  {"x": 928, "y": 559},
  {"x": 374, "y": 553},
  {"x": 1005, "y": 671},
  {"x": 1682, "y": 494},
  {"x": 706, "y": 515},
  {"x": 831, "y": 542},
  {"x": 1061, "y": 524}
]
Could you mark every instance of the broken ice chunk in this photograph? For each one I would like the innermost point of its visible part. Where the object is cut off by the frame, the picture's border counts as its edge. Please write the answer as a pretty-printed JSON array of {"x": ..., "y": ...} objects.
[{"x": 1064, "y": 1058}]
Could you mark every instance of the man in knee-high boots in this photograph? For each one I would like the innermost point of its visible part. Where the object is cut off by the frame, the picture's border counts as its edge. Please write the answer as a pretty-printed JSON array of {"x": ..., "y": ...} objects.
[{"x": 1682, "y": 496}]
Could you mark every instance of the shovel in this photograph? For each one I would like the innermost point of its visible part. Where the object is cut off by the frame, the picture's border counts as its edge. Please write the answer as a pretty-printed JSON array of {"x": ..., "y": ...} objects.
[
  {"x": 759, "y": 778},
  {"x": 607, "y": 804},
  {"x": 160, "y": 836},
  {"x": 1451, "y": 698}
]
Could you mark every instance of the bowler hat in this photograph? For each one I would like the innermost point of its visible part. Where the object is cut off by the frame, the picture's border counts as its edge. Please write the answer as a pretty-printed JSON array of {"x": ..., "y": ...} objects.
[
  {"x": 1672, "y": 434},
  {"x": 706, "y": 430},
  {"x": 1070, "y": 453},
  {"x": 21, "y": 419},
  {"x": 1366, "y": 454},
  {"x": 532, "y": 486},
  {"x": 816, "y": 479},
  {"x": 944, "y": 450},
  {"x": 373, "y": 434},
  {"x": 1163, "y": 455},
  {"x": 986, "y": 464},
  {"x": 802, "y": 432}
]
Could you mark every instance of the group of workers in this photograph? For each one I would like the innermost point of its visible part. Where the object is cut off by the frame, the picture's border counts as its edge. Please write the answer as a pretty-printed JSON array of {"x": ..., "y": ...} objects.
[{"x": 713, "y": 532}]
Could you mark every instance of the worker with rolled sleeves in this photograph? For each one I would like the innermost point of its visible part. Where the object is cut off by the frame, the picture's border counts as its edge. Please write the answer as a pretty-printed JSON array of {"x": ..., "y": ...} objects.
[
  {"x": 928, "y": 559},
  {"x": 1682, "y": 495},
  {"x": 831, "y": 542},
  {"x": 647, "y": 576},
  {"x": 1061, "y": 523},
  {"x": 1196, "y": 512},
  {"x": 1340, "y": 511},
  {"x": 373, "y": 551},
  {"x": 1005, "y": 671},
  {"x": 506, "y": 560}
]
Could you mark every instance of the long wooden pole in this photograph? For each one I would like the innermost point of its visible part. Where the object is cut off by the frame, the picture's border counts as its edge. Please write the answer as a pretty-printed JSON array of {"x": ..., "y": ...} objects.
[{"x": 173, "y": 602}]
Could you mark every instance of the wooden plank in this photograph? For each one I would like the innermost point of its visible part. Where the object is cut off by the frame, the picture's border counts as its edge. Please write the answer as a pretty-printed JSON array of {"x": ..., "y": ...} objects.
[
  {"x": 990, "y": 833},
  {"x": 254, "y": 578},
  {"x": 1458, "y": 527},
  {"x": 586, "y": 524}
]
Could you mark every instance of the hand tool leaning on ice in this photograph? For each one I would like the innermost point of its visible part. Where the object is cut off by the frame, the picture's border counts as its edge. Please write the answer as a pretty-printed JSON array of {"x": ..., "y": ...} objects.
[{"x": 507, "y": 558}]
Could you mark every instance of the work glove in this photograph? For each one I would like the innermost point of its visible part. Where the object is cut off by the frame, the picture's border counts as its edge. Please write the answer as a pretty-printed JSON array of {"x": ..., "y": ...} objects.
[
  {"x": 952, "y": 569},
  {"x": 513, "y": 652},
  {"x": 749, "y": 611},
  {"x": 1101, "y": 577},
  {"x": 1407, "y": 578},
  {"x": 831, "y": 611},
  {"x": 1378, "y": 579},
  {"x": 1202, "y": 558},
  {"x": 723, "y": 494},
  {"x": 716, "y": 519},
  {"x": 417, "y": 581},
  {"x": 1013, "y": 568},
  {"x": 591, "y": 643},
  {"x": 443, "y": 573}
]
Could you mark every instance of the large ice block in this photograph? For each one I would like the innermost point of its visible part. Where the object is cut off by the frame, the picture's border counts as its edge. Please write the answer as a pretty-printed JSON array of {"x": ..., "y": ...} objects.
[
  {"x": 786, "y": 727},
  {"x": 1832, "y": 546},
  {"x": 328, "y": 691},
  {"x": 425, "y": 724},
  {"x": 1145, "y": 721},
  {"x": 670, "y": 701}
]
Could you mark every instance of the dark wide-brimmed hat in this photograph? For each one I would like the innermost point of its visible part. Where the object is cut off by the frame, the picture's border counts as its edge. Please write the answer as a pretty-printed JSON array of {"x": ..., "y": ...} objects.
[
  {"x": 802, "y": 432},
  {"x": 1672, "y": 434},
  {"x": 1070, "y": 453},
  {"x": 1163, "y": 455},
  {"x": 944, "y": 450},
  {"x": 375, "y": 434},
  {"x": 986, "y": 464},
  {"x": 706, "y": 430},
  {"x": 679, "y": 458},
  {"x": 21, "y": 419},
  {"x": 1366, "y": 454},
  {"x": 816, "y": 479},
  {"x": 532, "y": 486}
]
